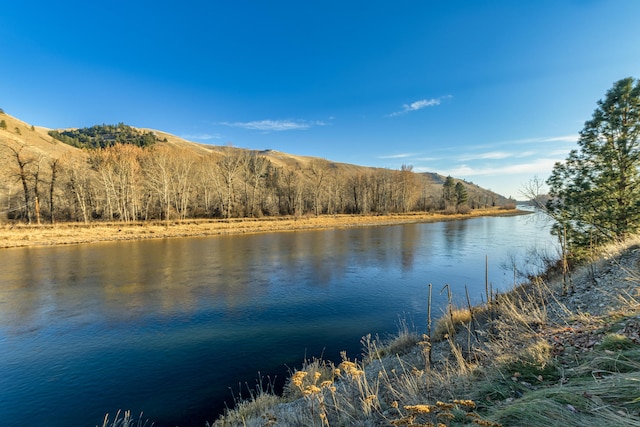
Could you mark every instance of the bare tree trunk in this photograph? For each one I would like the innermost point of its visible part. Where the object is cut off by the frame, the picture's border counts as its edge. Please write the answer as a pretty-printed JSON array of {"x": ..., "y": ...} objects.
[
  {"x": 256, "y": 168},
  {"x": 230, "y": 165},
  {"x": 54, "y": 164},
  {"x": 25, "y": 188},
  {"x": 23, "y": 162},
  {"x": 36, "y": 191},
  {"x": 182, "y": 183},
  {"x": 158, "y": 178},
  {"x": 319, "y": 170}
]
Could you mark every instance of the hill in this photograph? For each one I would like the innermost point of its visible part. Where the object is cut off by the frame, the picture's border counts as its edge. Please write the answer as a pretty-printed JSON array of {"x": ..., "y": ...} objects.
[
  {"x": 35, "y": 137},
  {"x": 118, "y": 172}
]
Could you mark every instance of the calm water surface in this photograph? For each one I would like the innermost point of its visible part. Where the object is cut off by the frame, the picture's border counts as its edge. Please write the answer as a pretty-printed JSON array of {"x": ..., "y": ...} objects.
[{"x": 171, "y": 327}]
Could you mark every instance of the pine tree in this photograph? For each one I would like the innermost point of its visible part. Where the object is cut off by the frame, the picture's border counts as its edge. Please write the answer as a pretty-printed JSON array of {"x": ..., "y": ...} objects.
[
  {"x": 449, "y": 192},
  {"x": 461, "y": 195},
  {"x": 596, "y": 191}
]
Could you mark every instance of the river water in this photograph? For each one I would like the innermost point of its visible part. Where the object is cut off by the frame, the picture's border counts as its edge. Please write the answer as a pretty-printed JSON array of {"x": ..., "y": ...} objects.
[{"x": 173, "y": 327}]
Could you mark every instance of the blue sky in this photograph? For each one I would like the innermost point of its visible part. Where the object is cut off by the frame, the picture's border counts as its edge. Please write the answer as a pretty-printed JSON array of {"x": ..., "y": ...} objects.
[{"x": 490, "y": 91}]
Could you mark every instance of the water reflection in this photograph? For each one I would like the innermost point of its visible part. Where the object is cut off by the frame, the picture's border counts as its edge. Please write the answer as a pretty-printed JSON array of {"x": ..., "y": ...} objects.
[{"x": 167, "y": 326}]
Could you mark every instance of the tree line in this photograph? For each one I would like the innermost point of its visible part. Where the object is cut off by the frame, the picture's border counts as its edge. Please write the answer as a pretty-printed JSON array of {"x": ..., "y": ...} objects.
[{"x": 127, "y": 182}]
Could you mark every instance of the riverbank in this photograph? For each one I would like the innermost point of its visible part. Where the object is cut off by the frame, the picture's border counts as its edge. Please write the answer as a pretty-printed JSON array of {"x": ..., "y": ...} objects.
[
  {"x": 535, "y": 356},
  {"x": 21, "y": 235}
]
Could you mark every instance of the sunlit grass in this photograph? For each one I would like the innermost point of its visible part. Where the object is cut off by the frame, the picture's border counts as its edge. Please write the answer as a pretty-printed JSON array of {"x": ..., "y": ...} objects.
[{"x": 454, "y": 319}]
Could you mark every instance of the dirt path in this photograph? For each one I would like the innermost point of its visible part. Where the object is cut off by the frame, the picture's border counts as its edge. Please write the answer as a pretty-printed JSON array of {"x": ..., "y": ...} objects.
[{"x": 21, "y": 235}]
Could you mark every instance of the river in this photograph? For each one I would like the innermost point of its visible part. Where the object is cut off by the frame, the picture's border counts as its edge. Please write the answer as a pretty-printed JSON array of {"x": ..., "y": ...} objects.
[{"x": 173, "y": 327}]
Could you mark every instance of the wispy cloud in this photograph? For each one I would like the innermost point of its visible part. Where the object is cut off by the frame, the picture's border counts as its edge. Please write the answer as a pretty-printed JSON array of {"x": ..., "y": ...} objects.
[
  {"x": 561, "y": 145},
  {"x": 525, "y": 154},
  {"x": 418, "y": 105},
  {"x": 560, "y": 152},
  {"x": 491, "y": 155},
  {"x": 202, "y": 137},
  {"x": 499, "y": 165},
  {"x": 535, "y": 142},
  {"x": 564, "y": 138},
  {"x": 397, "y": 156},
  {"x": 529, "y": 167},
  {"x": 497, "y": 155},
  {"x": 274, "y": 125}
]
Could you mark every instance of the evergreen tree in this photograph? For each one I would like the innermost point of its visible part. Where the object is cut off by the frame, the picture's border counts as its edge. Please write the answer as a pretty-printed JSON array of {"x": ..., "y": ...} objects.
[
  {"x": 596, "y": 191},
  {"x": 461, "y": 194},
  {"x": 449, "y": 191},
  {"x": 3, "y": 124},
  {"x": 101, "y": 136}
]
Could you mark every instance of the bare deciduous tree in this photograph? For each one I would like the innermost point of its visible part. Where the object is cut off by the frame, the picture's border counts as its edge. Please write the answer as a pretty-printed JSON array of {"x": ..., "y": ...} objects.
[
  {"x": 318, "y": 170},
  {"x": 229, "y": 167},
  {"x": 23, "y": 160}
]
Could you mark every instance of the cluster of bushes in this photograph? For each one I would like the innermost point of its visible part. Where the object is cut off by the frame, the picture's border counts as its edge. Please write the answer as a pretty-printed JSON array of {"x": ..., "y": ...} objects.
[{"x": 101, "y": 136}]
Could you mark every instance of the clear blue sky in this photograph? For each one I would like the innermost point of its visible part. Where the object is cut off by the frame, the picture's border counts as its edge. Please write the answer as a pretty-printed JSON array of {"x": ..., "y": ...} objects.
[{"x": 490, "y": 91}]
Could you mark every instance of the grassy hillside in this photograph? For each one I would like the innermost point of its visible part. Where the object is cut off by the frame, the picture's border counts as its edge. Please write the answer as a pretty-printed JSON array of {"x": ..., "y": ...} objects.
[
  {"x": 172, "y": 178},
  {"x": 36, "y": 137},
  {"x": 39, "y": 139}
]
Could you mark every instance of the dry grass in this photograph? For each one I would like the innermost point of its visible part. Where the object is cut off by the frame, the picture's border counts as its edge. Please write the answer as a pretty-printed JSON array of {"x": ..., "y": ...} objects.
[
  {"x": 255, "y": 410},
  {"x": 18, "y": 235},
  {"x": 404, "y": 341},
  {"x": 455, "y": 318},
  {"x": 125, "y": 420}
]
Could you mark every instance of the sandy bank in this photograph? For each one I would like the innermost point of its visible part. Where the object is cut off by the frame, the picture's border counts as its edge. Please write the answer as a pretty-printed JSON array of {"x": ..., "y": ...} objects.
[{"x": 21, "y": 235}]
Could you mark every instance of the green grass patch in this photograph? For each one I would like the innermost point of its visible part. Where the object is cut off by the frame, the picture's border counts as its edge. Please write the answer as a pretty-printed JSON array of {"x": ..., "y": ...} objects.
[{"x": 616, "y": 342}]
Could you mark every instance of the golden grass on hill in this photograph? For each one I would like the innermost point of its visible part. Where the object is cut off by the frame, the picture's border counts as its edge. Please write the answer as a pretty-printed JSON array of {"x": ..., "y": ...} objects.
[{"x": 19, "y": 235}]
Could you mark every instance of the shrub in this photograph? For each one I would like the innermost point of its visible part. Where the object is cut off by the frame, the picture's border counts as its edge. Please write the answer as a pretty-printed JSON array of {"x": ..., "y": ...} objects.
[
  {"x": 464, "y": 209},
  {"x": 450, "y": 210}
]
